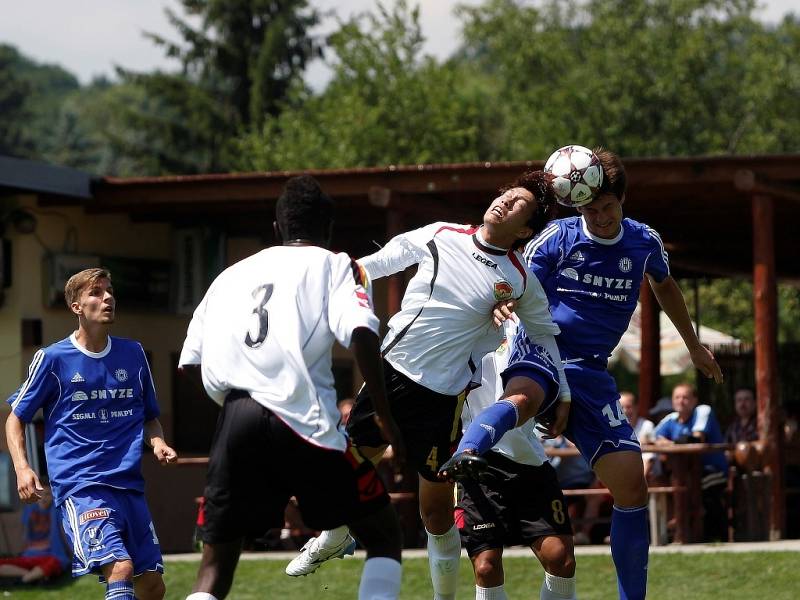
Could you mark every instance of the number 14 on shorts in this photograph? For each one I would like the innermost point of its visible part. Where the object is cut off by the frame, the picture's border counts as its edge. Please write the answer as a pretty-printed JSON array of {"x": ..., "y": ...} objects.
[{"x": 614, "y": 414}]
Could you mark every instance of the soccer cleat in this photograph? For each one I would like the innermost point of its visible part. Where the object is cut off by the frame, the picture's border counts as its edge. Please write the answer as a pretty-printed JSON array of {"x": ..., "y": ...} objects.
[
  {"x": 311, "y": 556},
  {"x": 464, "y": 465}
]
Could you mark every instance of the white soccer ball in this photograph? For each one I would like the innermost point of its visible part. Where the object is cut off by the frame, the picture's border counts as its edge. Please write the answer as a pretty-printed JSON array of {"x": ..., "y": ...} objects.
[{"x": 578, "y": 175}]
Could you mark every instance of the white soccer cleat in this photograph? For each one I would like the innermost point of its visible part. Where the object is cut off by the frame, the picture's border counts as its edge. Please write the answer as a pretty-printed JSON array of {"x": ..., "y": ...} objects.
[{"x": 311, "y": 556}]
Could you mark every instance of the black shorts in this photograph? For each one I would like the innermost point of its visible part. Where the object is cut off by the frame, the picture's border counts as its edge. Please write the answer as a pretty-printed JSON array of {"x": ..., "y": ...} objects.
[
  {"x": 258, "y": 462},
  {"x": 429, "y": 422},
  {"x": 516, "y": 507}
]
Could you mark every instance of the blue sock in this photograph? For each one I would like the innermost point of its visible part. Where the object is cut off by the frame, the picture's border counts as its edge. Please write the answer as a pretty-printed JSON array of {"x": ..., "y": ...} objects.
[
  {"x": 630, "y": 544},
  {"x": 120, "y": 590},
  {"x": 489, "y": 426}
]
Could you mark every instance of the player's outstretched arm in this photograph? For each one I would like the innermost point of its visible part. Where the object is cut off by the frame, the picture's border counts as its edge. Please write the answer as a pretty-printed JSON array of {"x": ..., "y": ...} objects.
[
  {"x": 154, "y": 437},
  {"x": 28, "y": 486},
  {"x": 366, "y": 348},
  {"x": 669, "y": 296}
]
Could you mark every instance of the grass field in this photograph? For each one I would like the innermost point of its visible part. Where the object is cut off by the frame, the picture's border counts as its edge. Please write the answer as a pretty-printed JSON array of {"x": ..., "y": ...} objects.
[{"x": 757, "y": 575}]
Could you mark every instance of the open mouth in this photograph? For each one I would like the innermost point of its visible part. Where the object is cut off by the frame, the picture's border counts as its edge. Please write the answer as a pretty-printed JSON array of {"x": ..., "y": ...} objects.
[{"x": 497, "y": 211}]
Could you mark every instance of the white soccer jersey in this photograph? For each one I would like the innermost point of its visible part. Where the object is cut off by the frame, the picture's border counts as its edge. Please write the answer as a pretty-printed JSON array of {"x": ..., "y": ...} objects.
[
  {"x": 267, "y": 325},
  {"x": 446, "y": 311},
  {"x": 520, "y": 444}
]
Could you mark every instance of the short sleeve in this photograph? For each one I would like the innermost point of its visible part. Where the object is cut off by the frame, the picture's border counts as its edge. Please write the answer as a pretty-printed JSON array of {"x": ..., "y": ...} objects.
[
  {"x": 658, "y": 260},
  {"x": 401, "y": 251},
  {"x": 542, "y": 252},
  {"x": 192, "y": 350},
  {"x": 151, "y": 410},
  {"x": 349, "y": 299},
  {"x": 664, "y": 428},
  {"x": 41, "y": 386}
]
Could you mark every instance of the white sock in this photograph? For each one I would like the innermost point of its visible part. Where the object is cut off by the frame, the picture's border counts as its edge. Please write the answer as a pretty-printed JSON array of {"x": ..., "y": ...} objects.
[
  {"x": 331, "y": 538},
  {"x": 201, "y": 596},
  {"x": 492, "y": 593},
  {"x": 557, "y": 588},
  {"x": 444, "y": 555},
  {"x": 380, "y": 579}
]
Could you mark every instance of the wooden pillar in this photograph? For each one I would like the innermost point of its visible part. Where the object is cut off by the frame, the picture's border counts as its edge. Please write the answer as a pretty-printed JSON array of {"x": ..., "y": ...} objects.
[
  {"x": 394, "y": 225},
  {"x": 650, "y": 354},
  {"x": 766, "y": 351}
]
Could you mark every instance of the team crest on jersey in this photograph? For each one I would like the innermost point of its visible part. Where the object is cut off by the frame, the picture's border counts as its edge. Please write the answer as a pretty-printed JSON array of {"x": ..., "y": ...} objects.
[
  {"x": 94, "y": 515},
  {"x": 577, "y": 256},
  {"x": 625, "y": 264},
  {"x": 121, "y": 375},
  {"x": 570, "y": 273},
  {"x": 503, "y": 290}
]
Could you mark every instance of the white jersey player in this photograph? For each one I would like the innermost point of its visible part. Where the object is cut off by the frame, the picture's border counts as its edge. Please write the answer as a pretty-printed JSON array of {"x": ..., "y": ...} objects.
[{"x": 263, "y": 336}]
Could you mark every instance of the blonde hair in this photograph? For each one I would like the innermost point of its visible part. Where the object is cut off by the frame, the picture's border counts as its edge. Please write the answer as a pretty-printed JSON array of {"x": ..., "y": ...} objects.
[{"x": 82, "y": 280}]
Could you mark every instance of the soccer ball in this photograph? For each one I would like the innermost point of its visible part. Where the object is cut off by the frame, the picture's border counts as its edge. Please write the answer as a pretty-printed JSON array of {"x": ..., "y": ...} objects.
[{"x": 578, "y": 175}]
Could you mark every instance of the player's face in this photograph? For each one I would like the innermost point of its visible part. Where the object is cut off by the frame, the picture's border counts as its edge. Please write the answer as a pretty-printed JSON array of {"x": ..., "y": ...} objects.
[
  {"x": 603, "y": 216},
  {"x": 96, "y": 303},
  {"x": 683, "y": 402},
  {"x": 511, "y": 210}
]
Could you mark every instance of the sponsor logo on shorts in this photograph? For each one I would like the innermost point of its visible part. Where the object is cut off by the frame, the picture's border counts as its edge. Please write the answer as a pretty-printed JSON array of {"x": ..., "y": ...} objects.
[
  {"x": 503, "y": 290},
  {"x": 93, "y": 515},
  {"x": 93, "y": 538},
  {"x": 483, "y": 526}
]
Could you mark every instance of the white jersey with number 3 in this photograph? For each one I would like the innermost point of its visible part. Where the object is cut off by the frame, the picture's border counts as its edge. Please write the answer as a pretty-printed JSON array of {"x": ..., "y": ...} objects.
[{"x": 267, "y": 326}]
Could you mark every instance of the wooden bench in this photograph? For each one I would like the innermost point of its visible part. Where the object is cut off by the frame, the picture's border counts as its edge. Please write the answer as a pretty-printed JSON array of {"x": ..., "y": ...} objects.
[{"x": 657, "y": 505}]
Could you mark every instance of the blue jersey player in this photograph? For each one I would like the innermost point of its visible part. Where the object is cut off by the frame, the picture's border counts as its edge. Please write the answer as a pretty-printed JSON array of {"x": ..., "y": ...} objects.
[
  {"x": 99, "y": 404},
  {"x": 591, "y": 267}
]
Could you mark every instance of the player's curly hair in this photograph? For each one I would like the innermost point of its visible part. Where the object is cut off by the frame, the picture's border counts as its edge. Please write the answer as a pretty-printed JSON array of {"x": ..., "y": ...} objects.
[
  {"x": 303, "y": 210},
  {"x": 615, "y": 181},
  {"x": 540, "y": 184}
]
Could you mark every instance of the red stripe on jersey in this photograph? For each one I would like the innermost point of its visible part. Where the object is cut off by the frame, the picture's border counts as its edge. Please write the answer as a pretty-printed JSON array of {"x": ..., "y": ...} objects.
[
  {"x": 470, "y": 229},
  {"x": 364, "y": 299},
  {"x": 515, "y": 261}
]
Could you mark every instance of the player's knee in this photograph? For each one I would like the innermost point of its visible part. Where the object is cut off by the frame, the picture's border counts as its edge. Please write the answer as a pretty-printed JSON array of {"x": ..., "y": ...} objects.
[
  {"x": 436, "y": 520},
  {"x": 527, "y": 401},
  {"x": 150, "y": 588},
  {"x": 630, "y": 492},
  {"x": 488, "y": 569},
  {"x": 121, "y": 570},
  {"x": 559, "y": 561}
]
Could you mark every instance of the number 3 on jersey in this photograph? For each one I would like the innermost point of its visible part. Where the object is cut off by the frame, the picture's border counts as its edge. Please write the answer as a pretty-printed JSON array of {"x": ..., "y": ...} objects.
[
  {"x": 615, "y": 420},
  {"x": 259, "y": 325}
]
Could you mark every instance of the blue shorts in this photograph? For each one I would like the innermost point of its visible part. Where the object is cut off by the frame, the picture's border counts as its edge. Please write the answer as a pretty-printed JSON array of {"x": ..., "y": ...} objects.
[
  {"x": 597, "y": 425},
  {"x": 534, "y": 362},
  {"x": 106, "y": 525}
]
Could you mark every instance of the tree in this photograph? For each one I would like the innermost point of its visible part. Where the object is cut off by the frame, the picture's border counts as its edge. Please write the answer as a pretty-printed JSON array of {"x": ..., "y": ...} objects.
[
  {"x": 14, "y": 140},
  {"x": 386, "y": 103}
]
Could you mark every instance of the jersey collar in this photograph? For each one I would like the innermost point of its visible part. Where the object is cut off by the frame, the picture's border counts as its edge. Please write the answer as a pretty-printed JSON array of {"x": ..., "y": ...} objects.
[
  {"x": 600, "y": 240},
  {"x": 484, "y": 246},
  {"x": 89, "y": 353}
]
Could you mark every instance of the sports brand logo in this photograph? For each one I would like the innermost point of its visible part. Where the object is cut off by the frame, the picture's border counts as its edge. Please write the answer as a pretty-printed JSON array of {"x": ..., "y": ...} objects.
[
  {"x": 625, "y": 264},
  {"x": 503, "y": 290},
  {"x": 94, "y": 515},
  {"x": 484, "y": 260},
  {"x": 577, "y": 256},
  {"x": 121, "y": 375},
  {"x": 77, "y": 378}
]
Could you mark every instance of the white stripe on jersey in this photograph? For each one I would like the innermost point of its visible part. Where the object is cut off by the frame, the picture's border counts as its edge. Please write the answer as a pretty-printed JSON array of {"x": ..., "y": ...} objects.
[
  {"x": 534, "y": 244},
  {"x": 664, "y": 254},
  {"x": 36, "y": 362}
]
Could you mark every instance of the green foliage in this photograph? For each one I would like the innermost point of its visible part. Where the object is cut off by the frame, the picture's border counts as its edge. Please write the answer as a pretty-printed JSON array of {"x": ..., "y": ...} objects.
[{"x": 386, "y": 103}]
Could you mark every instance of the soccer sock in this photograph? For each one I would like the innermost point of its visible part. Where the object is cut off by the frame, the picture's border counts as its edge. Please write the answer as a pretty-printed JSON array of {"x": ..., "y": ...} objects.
[
  {"x": 201, "y": 596},
  {"x": 444, "y": 554},
  {"x": 629, "y": 549},
  {"x": 489, "y": 426},
  {"x": 120, "y": 590},
  {"x": 380, "y": 579},
  {"x": 331, "y": 538},
  {"x": 492, "y": 593},
  {"x": 557, "y": 588}
]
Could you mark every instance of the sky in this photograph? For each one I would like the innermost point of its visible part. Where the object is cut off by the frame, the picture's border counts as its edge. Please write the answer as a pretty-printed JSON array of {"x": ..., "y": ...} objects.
[{"x": 89, "y": 37}]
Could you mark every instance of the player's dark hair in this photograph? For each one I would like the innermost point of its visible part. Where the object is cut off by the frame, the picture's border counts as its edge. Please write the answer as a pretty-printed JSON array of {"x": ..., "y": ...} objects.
[
  {"x": 540, "y": 184},
  {"x": 615, "y": 181},
  {"x": 303, "y": 210}
]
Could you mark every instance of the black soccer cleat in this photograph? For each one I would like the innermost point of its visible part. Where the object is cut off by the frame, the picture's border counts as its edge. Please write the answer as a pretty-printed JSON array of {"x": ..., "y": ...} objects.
[{"x": 463, "y": 466}]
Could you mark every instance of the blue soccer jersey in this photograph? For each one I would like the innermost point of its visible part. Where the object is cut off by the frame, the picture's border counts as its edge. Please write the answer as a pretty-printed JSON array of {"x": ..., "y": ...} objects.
[
  {"x": 95, "y": 405},
  {"x": 592, "y": 283},
  {"x": 702, "y": 421}
]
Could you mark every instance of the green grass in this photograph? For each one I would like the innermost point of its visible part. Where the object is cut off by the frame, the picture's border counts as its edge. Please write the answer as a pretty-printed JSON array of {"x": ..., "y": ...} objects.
[{"x": 756, "y": 575}]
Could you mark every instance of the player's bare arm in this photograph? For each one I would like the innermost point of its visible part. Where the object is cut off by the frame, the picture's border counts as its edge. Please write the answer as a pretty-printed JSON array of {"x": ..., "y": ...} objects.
[
  {"x": 366, "y": 348},
  {"x": 154, "y": 437},
  {"x": 669, "y": 296},
  {"x": 28, "y": 486}
]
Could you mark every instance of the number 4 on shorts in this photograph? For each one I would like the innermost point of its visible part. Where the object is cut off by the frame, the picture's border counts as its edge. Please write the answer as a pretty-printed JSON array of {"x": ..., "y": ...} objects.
[{"x": 615, "y": 420}]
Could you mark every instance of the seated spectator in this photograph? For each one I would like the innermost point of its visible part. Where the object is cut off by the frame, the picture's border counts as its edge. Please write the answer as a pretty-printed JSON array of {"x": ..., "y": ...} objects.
[
  {"x": 44, "y": 555},
  {"x": 692, "y": 423},
  {"x": 745, "y": 427},
  {"x": 644, "y": 430}
]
